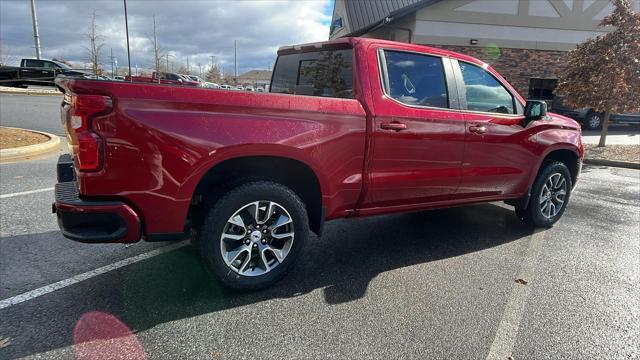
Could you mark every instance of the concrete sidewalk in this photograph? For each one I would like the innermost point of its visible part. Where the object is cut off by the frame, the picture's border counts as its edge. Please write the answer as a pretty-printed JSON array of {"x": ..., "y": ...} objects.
[{"x": 612, "y": 139}]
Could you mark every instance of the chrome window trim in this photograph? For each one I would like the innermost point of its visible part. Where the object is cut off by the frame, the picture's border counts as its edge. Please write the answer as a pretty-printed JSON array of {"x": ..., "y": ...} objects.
[
  {"x": 514, "y": 99},
  {"x": 384, "y": 78},
  {"x": 382, "y": 72}
]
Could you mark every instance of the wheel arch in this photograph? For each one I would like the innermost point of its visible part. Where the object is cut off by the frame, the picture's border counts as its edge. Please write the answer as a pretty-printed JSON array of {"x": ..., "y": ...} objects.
[
  {"x": 567, "y": 156},
  {"x": 231, "y": 172}
]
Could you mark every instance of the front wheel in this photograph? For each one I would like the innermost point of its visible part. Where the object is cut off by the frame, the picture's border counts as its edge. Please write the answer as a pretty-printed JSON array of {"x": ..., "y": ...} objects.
[
  {"x": 252, "y": 236},
  {"x": 549, "y": 196}
]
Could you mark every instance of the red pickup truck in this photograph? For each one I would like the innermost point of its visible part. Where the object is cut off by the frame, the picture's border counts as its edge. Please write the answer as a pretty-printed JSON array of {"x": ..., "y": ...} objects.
[{"x": 350, "y": 127}]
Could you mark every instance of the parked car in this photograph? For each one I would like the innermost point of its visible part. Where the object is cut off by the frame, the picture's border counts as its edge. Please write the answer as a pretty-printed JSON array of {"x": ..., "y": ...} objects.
[
  {"x": 249, "y": 88},
  {"x": 163, "y": 78},
  {"x": 591, "y": 119},
  {"x": 118, "y": 78},
  {"x": 225, "y": 87},
  {"x": 203, "y": 82},
  {"x": 96, "y": 77},
  {"x": 35, "y": 72},
  {"x": 351, "y": 127}
]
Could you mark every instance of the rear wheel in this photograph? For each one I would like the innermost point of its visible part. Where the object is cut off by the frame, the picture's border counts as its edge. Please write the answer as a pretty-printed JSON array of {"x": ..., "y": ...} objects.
[
  {"x": 593, "y": 121},
  {"x": 549, "y": 196},
  {"x": 252, "y": 236}
]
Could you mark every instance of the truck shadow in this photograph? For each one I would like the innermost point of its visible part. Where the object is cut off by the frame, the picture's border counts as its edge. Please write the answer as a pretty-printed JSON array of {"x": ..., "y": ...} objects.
[{"x": 342, "y": 263}]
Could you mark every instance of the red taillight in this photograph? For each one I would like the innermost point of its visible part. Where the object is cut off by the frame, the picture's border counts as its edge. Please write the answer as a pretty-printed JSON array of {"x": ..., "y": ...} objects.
[{"x": 88, "y": 144}]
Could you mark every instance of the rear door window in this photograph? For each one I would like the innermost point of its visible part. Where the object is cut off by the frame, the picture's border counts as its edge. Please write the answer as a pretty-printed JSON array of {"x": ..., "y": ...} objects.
[
  {"x": 326, "y": 73},
  {"x": 33, "y": 63},
  {"x": 415, "y": 79}
]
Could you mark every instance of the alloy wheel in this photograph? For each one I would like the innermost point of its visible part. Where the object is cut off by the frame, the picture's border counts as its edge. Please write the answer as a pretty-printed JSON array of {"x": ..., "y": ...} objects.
[
  {"x": 594, "y": 121},
  {"x": 553, "y": 195},
  {"x": 257, "y": 238}
]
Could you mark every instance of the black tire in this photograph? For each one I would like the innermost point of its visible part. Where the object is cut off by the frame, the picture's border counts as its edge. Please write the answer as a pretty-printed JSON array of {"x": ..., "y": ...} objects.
[
  {"x": 593, "y": 121},
  {"x": 211, "y": 230},
  {"x": 532, "y": 214}
]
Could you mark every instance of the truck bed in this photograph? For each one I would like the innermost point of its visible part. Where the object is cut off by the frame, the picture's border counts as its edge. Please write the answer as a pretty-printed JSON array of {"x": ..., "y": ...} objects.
[{"x": 160, "y": 140}]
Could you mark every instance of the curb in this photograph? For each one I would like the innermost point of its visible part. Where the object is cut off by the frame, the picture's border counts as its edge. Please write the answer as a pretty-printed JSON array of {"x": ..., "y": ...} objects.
[
  {"x": 613, "y": 163},
  {"x": 22, "y": 91},
  {"x": 30, "y": 93},
  {"x": 29, "y": 151}
]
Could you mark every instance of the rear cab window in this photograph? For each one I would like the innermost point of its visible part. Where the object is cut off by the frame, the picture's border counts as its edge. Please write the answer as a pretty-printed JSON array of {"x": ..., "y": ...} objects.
[{"x": 326, "y": 73}]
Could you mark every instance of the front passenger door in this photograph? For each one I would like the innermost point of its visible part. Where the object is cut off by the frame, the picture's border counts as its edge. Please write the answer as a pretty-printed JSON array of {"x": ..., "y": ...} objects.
[{"x": 496, "y": 162}]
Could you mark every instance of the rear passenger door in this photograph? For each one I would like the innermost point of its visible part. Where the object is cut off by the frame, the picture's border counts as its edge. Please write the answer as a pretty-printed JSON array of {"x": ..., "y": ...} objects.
[
  {"x": 495, "y": 161},
  {"x": 32, "y": 69},
  {"x": 418, "y": 131}
]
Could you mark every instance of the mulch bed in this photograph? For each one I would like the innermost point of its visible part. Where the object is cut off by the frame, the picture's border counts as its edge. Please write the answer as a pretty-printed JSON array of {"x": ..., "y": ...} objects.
[
  {"x": 628, "y": 153},
  {"x": 11, "y": 138}
]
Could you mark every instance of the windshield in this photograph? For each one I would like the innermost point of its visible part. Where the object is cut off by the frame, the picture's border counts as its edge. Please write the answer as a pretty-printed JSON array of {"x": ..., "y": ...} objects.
[{"x": 62, "y": 65}]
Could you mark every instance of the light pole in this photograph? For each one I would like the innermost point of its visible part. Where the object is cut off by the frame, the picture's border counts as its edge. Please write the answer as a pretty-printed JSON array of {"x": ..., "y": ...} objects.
[
  {"x": 111, "y": 58},
  {"x": 168, "y": 61},
  {"x": 36, "y": 34},
  {"x": 235, "y": 58},
  {"x": 126, "y": 25}
]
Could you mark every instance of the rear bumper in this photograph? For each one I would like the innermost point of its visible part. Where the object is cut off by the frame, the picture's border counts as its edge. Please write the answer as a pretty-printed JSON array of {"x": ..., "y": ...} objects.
[{"x": 92, "y": 221}]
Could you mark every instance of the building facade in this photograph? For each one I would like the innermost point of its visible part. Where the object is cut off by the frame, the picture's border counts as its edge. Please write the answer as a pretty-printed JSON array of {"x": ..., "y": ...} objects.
[
  {"x": 524, "y": 40},
  {"x": 255, "y": 78}
]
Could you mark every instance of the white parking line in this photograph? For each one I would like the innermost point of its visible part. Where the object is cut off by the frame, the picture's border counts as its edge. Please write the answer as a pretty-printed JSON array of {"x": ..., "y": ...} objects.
[
  {"x": 505, "y": 337},
  {"x": 3, "y": 196},
  {"x": 30, "y": 295}
]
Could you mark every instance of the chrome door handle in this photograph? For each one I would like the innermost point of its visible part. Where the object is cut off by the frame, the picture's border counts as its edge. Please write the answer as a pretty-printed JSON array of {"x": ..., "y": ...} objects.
[
  {"x": 478, "y": 129},
  {"x": 394, "y": 125}
]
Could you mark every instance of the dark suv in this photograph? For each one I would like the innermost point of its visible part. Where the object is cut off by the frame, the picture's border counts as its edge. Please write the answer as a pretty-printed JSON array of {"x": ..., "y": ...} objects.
[{"x": 590, "y": 119}]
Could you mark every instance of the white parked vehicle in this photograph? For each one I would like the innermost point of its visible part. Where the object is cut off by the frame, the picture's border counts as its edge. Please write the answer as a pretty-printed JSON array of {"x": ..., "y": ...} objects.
[{"x": 203, "y": 83}]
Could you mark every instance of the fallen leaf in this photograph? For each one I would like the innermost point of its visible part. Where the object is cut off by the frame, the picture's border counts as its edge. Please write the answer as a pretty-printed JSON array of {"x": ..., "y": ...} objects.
[{"x": 522, "y": 281}]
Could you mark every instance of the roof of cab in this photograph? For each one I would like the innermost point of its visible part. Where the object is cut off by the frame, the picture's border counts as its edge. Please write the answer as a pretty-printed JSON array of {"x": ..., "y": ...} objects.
[{"x": 348, "y": 42}]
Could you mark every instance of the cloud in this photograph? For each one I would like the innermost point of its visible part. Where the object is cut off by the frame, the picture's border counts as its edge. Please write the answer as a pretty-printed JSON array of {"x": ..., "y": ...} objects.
[{"x": 193, "y": 29}]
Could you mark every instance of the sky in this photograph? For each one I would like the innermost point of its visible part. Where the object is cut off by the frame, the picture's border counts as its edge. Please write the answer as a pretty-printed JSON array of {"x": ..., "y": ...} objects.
[{"x": 186, "y": 29}]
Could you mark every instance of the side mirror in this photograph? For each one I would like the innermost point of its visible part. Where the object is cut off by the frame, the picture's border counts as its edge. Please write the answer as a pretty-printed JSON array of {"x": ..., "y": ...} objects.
[{"x": 535, "y": 110}]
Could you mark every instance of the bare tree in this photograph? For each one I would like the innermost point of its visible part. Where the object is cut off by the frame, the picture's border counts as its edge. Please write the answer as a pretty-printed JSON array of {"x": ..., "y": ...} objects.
[
  {"x": 603, "y": 73},
  {"x": 229, "y": 78},
  {"x": 158, "y": 54},
  {"x": 95, "y": 45},
  {"x": 5, "y": 55},
  {"x": 181, "y": 69},
  {"x": 213, "y": 74}
]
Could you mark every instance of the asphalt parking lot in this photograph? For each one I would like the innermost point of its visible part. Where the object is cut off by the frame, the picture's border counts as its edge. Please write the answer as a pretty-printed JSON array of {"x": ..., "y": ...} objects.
[{"x": 433, "y": 284}]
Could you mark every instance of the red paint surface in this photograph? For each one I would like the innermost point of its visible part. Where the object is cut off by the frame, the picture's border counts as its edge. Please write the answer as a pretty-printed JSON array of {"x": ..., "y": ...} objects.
[{"x": 160, "y": 140}]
